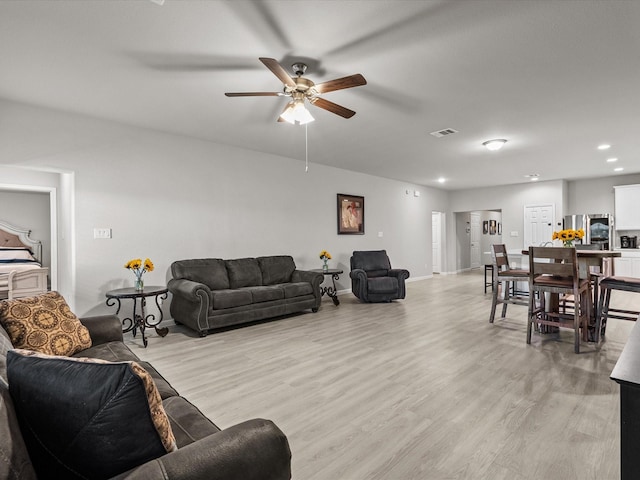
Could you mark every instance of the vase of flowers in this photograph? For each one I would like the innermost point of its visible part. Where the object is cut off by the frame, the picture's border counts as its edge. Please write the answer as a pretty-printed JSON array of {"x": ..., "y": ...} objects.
[
  {"x": 325, "y": 257},
  {"x": 139, "y": 268},
  {"x": 568, "y": 236}
]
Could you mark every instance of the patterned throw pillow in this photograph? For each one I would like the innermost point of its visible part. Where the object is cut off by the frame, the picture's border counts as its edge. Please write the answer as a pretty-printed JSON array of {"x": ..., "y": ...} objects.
[
  {"x": 85, "y": 417},
  {"x": 44, "y": 323}
]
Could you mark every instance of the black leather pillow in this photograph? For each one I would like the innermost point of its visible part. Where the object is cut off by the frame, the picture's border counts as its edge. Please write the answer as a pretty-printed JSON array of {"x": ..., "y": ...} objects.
[{"x": 86, "y": 418}]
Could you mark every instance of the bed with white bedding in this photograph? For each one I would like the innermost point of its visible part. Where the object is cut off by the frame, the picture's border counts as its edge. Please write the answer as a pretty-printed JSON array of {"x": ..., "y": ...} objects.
[{"x": 21, "y": 273}]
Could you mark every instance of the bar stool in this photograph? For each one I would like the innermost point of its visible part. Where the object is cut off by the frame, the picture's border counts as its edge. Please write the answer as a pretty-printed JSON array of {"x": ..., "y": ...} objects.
[
  {"x": 607, "y": 284},
  {"x": 508, "y": 277},
  {"x": 488, "y": 267}
]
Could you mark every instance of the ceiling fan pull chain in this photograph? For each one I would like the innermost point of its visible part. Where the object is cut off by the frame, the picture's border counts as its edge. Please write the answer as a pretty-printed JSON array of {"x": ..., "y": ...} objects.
[{"x": 306, "y": 150}]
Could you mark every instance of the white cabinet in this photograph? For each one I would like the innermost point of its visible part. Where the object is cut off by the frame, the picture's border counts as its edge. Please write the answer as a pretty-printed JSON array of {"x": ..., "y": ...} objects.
[
  {"x": 628, "y": 265},
  {"x": 627, "y": 201}
]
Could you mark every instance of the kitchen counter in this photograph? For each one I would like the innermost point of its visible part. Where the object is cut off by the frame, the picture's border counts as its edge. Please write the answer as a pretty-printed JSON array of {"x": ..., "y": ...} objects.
[{"x": 629, "y": 252}]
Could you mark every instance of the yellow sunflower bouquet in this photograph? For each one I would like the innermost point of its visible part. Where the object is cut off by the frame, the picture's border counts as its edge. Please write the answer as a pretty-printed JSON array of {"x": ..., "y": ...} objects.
[
  {"x": 325, "y": 257},
  {"x": 139, "y": 268},
  {"x": 568, "y": 236}
]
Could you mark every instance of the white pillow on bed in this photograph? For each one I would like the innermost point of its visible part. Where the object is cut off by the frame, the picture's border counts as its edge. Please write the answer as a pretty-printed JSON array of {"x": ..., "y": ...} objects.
[{"x": 15, "y": 253}]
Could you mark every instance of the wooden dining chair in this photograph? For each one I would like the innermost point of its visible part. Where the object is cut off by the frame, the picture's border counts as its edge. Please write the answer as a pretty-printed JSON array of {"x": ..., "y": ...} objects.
[
  {"x": 594, "y": 274},
  {"x": 508, "y": 278},
  {"x": 554, "y": 271}
]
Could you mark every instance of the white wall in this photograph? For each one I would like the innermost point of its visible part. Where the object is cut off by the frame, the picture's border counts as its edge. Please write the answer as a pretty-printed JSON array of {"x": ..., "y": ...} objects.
[
  {"x": 596, "y": 195},
  {"x": 168, "y": 197}
]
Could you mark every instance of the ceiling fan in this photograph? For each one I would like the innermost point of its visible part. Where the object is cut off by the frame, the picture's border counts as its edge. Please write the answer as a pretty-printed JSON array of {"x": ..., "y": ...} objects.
[{"x": 299, "y": 88}]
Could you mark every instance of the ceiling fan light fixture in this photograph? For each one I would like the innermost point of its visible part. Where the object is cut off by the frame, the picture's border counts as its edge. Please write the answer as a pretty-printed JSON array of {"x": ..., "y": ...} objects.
[
  {"x": 495, "y": 144},
  {"x": 295, "y": 111}
]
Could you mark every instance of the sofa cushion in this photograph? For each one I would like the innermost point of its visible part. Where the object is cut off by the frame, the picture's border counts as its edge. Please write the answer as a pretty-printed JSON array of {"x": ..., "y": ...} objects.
[
  {"x": 382, "y": 285},
  {"x": 5, "y": 346},
  {"x": 86, "y": 418},
  {"x": 164, "y": 387},
  {"x": 187, "y": 422},
  {"x": 15, "y": 463},
  {"x": 44, "y": 323},
  {"x": 266, "y": 294},
  {"x": 243, "y": 272},
  {"x": 222, "y": 299},
  {"x": 115, "y": 351},
  {"x": 210, "y": 271},
  {"x": 298, "y": 289},
  {"x": 377, "y": 273},
  {"x": 276, "y": 269}
]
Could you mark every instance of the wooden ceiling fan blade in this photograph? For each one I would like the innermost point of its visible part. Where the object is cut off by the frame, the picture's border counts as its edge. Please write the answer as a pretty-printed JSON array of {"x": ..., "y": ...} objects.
[
  {"x": 341, "y": 83},
  {"x": 254, "y": 94},
  {"x": 332, "y": 107},
  {"x": 273, "y": 65}
]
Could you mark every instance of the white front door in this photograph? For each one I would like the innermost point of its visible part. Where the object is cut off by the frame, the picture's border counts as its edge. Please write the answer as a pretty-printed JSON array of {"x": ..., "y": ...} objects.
[
  {"x": 538, "y": 224},
  {"x": 475, "y": 239}
]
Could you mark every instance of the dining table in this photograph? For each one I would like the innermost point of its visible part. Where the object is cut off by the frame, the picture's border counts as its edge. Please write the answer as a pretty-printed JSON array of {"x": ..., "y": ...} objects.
[{"x": 593, "y": 265}]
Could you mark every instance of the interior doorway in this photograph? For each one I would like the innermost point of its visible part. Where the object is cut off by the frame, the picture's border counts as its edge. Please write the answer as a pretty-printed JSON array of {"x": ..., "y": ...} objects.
[
  {"x": 47, "y": 229},
  {"x": 476, "y": 231},
  {"x": 475, "y": 257},
  {"x": 436, "y": 241}
]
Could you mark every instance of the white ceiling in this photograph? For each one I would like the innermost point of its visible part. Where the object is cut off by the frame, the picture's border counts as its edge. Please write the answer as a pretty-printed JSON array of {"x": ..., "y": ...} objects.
[{"x": 554, "y": 77}]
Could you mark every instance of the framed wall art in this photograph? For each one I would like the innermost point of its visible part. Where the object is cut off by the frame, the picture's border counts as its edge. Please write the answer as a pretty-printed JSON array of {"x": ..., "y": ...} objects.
[
  {"x": 492, "y": 227},
  {"x": 485, "y": 227},
  {"x": 350, "y": 214}
]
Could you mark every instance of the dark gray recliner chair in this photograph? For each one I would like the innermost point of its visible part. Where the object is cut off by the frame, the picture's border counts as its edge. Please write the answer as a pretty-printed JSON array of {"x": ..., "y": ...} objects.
[{"x": 373, "y": 279}]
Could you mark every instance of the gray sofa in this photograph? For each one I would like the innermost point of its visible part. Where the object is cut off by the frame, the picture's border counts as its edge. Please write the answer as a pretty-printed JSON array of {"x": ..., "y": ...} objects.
[
  {"x": 255, "y": 449},
  {"x": 211, "y": 293}
]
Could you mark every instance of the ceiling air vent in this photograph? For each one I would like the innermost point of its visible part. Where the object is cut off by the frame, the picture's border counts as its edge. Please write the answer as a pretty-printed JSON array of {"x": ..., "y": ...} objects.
[{"x": 444, "y": 132}]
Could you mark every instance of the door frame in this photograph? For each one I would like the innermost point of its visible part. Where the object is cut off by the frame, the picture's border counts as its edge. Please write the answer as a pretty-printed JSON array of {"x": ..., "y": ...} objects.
[
  {"x": 440, "y": 216},
  {"x": 53, "y": 202}
]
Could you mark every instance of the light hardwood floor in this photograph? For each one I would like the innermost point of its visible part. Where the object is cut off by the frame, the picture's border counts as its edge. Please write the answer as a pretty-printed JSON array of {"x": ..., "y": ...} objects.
[{"x": 423, "y": 388}]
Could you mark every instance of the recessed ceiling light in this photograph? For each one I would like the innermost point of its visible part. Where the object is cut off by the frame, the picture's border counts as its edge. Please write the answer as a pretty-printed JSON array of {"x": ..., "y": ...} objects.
[
  {"x": 495, "y": 144},
  {"x": 533, "y": 176},
  {"x": 441, "y": 180},
  {"x": 611, "y": 160},
  {"x": 618, "y": 169},
  {"x": 604, "y": 146},
  {"x": 534, "y": 179}
]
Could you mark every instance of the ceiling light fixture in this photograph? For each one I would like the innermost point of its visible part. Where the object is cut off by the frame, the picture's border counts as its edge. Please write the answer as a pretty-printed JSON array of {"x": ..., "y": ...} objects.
[
  {"x": 295, "y": 111},
  {"x": 619, "y": 169},
  {"x": 495, "y": 144},
  {"x": 533, "y": 176},
  {"x": 611, "y": 160},
  {"x": 441, "y": 180},
  {"x": 604, "y": 146}
]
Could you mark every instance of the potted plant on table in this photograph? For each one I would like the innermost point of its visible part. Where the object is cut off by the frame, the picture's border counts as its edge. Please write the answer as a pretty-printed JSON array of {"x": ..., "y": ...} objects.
[
  {"x": 325, "y": 257},
  {"x": 139, "y": 268}
]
